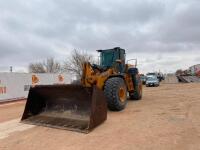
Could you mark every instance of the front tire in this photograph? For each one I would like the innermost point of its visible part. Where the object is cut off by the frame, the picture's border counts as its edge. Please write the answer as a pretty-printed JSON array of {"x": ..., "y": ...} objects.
[{"x": 116, "y": 93}]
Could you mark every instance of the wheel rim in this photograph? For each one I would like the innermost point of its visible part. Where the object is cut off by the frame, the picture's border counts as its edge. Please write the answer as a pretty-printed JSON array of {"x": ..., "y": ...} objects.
[{"x": 122, "y": 94}]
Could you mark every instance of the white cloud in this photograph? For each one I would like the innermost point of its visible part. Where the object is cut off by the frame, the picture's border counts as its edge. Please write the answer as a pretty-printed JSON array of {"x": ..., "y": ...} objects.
[{"x": 153, "y": 31}]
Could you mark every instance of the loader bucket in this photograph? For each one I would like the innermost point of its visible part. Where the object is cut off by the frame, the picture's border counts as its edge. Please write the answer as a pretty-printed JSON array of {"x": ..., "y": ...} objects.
[{"x": 71, "y": 107}]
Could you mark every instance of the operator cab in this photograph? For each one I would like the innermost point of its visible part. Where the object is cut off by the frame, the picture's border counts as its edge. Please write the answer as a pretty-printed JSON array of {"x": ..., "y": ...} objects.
[{"x": 111, "y": 57}]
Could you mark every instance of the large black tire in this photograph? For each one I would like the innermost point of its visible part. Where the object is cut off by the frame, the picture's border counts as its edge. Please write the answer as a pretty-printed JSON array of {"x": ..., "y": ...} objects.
[
  {"x": 112, "y": 88},
  {"x": 137, "y": 93}
]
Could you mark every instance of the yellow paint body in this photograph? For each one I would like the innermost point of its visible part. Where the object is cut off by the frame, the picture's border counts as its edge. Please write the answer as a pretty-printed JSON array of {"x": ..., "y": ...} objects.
[{"x": 95, "y": 77}]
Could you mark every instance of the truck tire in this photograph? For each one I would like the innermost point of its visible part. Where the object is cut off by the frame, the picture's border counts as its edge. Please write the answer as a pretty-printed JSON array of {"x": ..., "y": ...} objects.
[
  {"x": 137, "y": 93},
  {"x": 115, "y": 91}
]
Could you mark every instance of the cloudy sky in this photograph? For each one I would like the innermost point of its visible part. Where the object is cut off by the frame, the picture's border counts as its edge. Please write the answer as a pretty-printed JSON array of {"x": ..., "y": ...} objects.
[{"x": 162, "y": 34}]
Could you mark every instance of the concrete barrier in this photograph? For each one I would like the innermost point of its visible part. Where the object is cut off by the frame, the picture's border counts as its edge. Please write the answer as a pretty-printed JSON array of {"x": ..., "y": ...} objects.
[{"x": 16, "y": 85}]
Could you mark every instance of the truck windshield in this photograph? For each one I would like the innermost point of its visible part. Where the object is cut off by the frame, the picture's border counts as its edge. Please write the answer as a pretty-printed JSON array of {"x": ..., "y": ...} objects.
[{"x": 151, "y": 79}]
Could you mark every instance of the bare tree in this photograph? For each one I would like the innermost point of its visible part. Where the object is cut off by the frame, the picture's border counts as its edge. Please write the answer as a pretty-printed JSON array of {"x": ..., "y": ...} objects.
[
  {"x": 36, "y": 68},
  {"x": 74, "y": 64},
  {"x": 48, "y": 66},
  {"x": 52, "y": 66}
]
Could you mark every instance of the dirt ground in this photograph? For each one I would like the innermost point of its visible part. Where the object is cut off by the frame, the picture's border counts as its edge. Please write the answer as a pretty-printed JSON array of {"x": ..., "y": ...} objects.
[
  {"x": 11, "y": 111},
  {"x": 167, "y": 118}
]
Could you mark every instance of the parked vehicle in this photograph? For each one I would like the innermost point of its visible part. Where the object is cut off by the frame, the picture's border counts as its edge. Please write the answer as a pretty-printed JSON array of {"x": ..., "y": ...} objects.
[
  {"x": 152, "y": 81},
  {"x": 143, "y": 79},
  {"x": 159, "y": 75}
]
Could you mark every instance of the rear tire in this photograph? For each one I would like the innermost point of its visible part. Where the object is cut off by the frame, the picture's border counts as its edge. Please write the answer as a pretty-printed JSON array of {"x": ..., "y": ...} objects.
[
  {"x": 137, "y": 93},
  {"x": 116, "y": 93}
]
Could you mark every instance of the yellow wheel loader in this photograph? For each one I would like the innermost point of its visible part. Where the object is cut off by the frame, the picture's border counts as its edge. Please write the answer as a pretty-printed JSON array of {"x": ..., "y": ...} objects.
[{"x": 82, "y": 107}]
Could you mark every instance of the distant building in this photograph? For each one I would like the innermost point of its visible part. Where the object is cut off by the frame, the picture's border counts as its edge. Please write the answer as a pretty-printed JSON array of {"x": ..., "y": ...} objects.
[{"x": 195, "y": 69}]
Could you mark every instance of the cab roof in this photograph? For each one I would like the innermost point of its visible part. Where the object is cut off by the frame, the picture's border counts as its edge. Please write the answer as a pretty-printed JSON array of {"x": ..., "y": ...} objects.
[{"x": 116, "y": 48}]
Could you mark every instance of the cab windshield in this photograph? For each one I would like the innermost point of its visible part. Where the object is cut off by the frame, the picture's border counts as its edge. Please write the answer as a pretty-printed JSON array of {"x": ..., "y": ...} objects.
[{"x": 107, "y": 58}]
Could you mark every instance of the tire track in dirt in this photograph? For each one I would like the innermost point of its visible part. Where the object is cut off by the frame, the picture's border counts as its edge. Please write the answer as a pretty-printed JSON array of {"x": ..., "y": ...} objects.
[{"x": 9, "y": 127}]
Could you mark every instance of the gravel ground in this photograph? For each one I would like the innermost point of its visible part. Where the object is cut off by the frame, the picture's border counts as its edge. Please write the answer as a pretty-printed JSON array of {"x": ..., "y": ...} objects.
[{"x": 167, "y": 118}]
